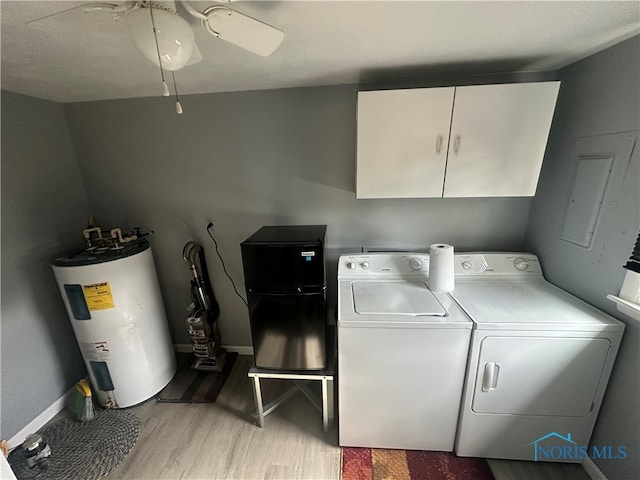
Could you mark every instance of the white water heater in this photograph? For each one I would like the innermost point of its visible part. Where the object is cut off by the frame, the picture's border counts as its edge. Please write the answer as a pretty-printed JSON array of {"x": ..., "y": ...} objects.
[{"x": 113, "y": 300}]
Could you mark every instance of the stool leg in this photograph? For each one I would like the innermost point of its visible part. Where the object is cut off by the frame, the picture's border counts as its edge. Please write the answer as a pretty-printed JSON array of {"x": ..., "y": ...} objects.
[
  {"x": 331, "y": 399},
  {"x": 258, "y": 397},
  {"x": 325, "y": 405}
]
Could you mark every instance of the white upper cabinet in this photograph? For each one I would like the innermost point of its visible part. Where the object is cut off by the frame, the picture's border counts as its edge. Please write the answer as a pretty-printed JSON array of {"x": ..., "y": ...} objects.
[
  {"x": 498, "y": 136},
  {"x": 402, "y": 142},
  {"x": 494, "y": 148}
]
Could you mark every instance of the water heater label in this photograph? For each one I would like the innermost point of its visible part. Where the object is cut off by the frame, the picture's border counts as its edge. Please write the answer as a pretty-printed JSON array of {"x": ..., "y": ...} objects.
[
  {"x": 98, "y": 296},
  {"x": 96, "y": 351}
]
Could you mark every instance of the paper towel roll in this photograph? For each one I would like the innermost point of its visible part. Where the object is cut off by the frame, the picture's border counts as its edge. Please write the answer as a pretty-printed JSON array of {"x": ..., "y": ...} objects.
[{"x": 441, "y": 278}]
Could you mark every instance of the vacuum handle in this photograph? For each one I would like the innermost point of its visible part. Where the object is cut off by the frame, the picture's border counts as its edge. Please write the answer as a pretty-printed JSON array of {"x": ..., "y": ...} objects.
[{"x": 193, "y": 256}]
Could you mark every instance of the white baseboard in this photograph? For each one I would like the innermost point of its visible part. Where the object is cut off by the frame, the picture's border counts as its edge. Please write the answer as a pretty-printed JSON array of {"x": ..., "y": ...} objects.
[
  {"x": 40, "y": 421},
  {"x": 5, "y": 469},
  {"x": 182, "y": 348},
  {"x": 59, "y": 405},
  {"x": 592, "y": 470},
  {"x": 241, "y": 349}
]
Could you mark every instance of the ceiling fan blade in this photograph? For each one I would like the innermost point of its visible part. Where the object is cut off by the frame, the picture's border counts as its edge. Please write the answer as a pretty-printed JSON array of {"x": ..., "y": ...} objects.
[
  {"x": 241, "y": 30},
  {"x": 55, "y": 14},
  {"x": 115, "y": 8}
]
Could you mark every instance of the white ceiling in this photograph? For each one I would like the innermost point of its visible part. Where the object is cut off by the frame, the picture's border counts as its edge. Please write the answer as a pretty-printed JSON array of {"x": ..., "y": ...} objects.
[{"x": 87, "y": 56}]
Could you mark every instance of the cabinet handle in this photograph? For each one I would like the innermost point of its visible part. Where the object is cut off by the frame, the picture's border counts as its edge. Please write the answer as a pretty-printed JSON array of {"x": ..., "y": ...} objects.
[
  {"x": 456, "y": 143},
  {"x": 439, "y": 144}
]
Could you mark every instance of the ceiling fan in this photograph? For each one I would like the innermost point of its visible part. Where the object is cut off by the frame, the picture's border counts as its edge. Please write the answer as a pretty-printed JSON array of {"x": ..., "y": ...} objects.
[{"x": 166, "y": 39}]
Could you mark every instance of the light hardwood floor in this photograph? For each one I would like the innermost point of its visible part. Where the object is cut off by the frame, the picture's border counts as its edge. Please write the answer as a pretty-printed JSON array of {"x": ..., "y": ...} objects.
[{"x": 222, "y": 441}]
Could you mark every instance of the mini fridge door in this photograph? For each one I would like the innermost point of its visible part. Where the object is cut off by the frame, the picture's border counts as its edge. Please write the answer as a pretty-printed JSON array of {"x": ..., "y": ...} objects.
[
  {"x": 289, "y": 329},
  {"x": 283, "y": 266}
]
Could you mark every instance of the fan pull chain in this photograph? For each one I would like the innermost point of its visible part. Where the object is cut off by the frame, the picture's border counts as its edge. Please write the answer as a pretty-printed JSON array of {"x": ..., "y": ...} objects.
[
  {"x": 175, "y": 86},
  {"x": 165, "y": 87}
]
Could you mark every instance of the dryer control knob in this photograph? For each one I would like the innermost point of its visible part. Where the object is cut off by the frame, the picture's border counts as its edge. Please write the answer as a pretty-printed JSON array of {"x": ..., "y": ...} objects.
[
  {"x": 415, "y": 264},
  {"x": 351, "y": 265},
  {"x": 521, "y": 264},
  {"x": 365, "y": 265},
  {"x": 466, "y": 265}
]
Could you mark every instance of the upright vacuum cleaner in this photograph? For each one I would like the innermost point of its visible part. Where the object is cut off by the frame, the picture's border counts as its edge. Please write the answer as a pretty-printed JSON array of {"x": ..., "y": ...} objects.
[{"x": 203, "y": 313}]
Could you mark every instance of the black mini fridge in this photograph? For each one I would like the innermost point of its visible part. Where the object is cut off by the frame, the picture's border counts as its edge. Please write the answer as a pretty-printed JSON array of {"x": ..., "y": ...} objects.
[{"x": 285, "y": 279}]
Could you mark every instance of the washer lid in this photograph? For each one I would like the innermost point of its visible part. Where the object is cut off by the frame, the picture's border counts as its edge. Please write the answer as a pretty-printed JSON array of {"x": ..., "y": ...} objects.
[{"x": 395, "y": 298}]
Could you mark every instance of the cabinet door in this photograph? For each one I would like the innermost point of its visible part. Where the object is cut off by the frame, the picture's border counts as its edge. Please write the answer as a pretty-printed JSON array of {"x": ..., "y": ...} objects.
[
  {"x": 498, "y": 139},
  {"x": 402, "y": 142}
]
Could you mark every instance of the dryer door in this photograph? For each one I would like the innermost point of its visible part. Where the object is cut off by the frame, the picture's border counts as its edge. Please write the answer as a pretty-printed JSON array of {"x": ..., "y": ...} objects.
[{"x": 539, "y": 375}]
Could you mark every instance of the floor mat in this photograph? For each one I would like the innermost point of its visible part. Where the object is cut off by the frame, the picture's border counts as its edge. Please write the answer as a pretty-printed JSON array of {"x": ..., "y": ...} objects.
[
  {"x": 383, "y": 464},
  {"x": 190, "y": 386},
  {"x": 81, "y": 450}
]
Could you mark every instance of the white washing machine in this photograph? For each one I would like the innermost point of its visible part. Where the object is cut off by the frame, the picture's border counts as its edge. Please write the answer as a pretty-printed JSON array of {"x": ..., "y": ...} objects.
[
  {"x": 539, "y": 362},
  {"x": 402, "y": 353}
]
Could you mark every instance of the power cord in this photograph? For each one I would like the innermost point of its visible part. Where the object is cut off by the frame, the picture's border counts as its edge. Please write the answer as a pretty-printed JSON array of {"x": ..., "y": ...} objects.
[{"x": 224, "y": 266}]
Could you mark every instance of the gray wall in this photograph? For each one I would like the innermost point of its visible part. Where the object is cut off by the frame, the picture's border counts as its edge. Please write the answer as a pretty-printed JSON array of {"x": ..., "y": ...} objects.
[
  {"x": 244, "y": 160},
  {"x": 599, "y": 95},
  {"x": 44, "y": 208}
]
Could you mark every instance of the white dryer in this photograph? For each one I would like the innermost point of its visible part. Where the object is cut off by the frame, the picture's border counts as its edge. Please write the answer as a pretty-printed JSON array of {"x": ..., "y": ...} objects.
[
  {"x": 539, "y": 362},
  {"x": 402, "y": 353}
]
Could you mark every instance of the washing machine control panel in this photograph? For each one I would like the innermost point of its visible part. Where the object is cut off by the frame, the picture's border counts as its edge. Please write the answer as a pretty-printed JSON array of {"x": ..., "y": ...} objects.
[
  {"x": 465, "y": 264},
  {"x": 382, "y": 264},
  {"x": 490, "y": 263}
]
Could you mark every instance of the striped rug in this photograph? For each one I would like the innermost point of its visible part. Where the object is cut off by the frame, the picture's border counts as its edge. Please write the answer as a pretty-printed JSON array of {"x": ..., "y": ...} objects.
[
  {"x": 383, "y": 464},
  {"x": 189, "y": 386}
]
